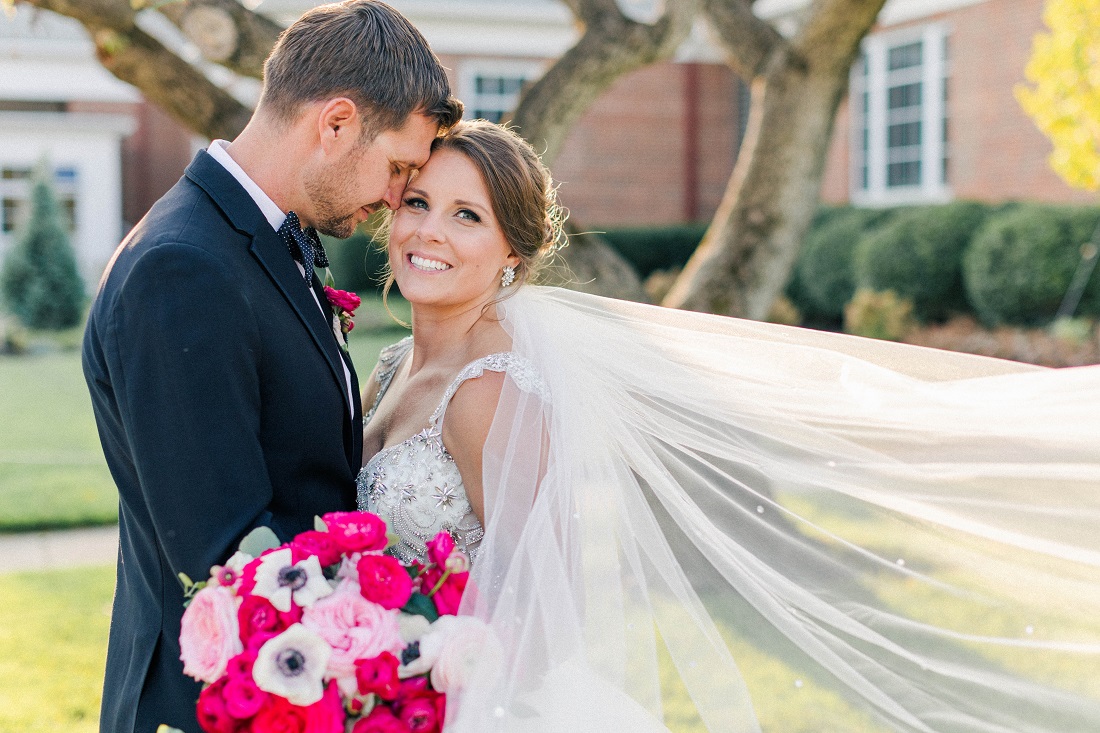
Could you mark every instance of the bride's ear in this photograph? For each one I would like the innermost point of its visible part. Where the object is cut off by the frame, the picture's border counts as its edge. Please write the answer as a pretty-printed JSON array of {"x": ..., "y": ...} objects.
[{"x": 338, "y": 123}]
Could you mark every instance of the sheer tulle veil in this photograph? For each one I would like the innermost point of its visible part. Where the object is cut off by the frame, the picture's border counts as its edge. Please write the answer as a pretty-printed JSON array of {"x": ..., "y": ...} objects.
[{"x": 703, "y": 523}]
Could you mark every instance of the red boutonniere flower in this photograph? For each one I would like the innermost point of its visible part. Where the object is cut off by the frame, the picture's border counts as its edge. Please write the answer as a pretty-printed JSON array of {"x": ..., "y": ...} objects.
[{"x": 343, "y": 307}]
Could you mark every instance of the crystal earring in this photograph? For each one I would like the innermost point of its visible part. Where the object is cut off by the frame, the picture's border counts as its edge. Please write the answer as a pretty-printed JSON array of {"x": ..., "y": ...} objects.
[{"x": 508, "y": 277}]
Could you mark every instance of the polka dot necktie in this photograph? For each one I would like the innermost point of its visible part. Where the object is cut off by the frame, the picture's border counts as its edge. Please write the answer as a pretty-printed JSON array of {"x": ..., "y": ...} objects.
[{"x": 304, "y": 245}]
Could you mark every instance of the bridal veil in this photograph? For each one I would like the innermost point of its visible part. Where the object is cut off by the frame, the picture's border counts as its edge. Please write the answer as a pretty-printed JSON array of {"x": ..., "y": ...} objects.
[{"x": 702, "y": 523}]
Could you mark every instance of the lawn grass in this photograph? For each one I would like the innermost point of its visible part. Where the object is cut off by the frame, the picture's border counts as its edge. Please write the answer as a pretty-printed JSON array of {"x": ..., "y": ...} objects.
[
  {"x": 53, "y": 644},
  {"x": 52, "y": 471}
]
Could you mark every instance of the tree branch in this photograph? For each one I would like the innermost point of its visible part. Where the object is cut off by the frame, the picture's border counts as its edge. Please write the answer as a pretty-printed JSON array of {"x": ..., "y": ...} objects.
[
  {"x": 161, "y": 76},
  {"x": 830, "y": 39},
  {"x": 253, "y": 34},
  {"x": 749, "y": 41},
  {"x": 612, "y": 45}
]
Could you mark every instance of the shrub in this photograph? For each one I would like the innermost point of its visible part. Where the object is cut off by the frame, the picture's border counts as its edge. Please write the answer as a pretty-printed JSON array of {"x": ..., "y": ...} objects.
[
  {"x": 879, "y": 315},
  {"x": 649, "y": 249},
  {"x": 41, "y": 283},
  {"x": 1021, "y": 262},
  {"x": 357, "y": 263},
  {"x": 918, "y": 255},
  {"x": 824, "y": 268}
]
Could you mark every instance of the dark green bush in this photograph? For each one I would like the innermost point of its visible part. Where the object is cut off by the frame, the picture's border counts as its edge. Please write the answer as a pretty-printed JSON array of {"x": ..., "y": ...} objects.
[
  {"x": 918, "y": 255},
  {"x": 1020, "y": 264},
  {"x": 649, "y": 249},
  {"x": 357, "y": 263},
  {"x": 824, "y": 282},
  {"x": 41, "y": 282}
]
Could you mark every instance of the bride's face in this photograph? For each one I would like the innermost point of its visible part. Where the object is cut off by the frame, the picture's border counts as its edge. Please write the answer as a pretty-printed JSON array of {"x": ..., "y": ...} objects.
[{"x": 446, "y": 247}]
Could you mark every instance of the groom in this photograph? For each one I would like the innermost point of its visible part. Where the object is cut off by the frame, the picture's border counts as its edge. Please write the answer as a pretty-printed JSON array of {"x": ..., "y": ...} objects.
[{"x": 222, "y": 396}]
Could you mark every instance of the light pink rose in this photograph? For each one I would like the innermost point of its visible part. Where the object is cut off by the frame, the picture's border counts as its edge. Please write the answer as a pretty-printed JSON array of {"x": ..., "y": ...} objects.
[
  {"x": 209, "y": 633},
  {"x": 354, "y": 627},
  {"x": 466, "y": 643}
]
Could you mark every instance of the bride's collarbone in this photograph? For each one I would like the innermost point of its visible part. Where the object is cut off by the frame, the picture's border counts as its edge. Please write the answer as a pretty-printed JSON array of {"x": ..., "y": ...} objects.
[{"x": 406, "y": 408}]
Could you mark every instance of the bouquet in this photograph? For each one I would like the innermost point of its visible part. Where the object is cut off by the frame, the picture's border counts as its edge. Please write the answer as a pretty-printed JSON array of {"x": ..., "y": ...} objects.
[{"x": 329, "y": 634}]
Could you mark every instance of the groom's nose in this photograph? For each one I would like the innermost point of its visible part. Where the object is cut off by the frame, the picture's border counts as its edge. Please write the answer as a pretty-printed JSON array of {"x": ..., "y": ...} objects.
[{"x": 392, "y": 197}]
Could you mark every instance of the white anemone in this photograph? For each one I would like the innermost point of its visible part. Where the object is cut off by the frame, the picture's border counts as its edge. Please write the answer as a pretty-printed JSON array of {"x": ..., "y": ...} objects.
[
  {"x": 292, "y": 665},
  {"x": 279, "y": 580}
]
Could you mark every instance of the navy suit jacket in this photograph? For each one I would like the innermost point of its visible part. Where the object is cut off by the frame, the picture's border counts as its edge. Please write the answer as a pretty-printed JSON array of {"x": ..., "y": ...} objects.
[{"x": 221, "y": 403}]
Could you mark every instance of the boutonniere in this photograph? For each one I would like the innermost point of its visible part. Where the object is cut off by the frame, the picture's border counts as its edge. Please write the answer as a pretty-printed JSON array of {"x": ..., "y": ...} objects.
[{"x": 343, "y": 305}]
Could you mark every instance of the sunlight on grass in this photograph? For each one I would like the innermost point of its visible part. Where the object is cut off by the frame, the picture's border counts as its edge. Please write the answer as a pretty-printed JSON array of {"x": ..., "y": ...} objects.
[{"x": 53, "y": 644}]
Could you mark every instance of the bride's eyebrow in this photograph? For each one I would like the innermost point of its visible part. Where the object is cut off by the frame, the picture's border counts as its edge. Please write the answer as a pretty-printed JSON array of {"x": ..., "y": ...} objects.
[{"x": 416, "y": 191}]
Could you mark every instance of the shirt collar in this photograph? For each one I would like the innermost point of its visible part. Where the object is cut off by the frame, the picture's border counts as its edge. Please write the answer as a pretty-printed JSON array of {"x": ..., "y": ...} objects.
[{"x": 274, "y": 215}]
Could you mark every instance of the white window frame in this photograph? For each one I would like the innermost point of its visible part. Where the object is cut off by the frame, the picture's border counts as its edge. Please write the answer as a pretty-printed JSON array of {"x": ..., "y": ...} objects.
[
  {"x": 470, "y": 70},
  {"x": 934, "y": 76}
]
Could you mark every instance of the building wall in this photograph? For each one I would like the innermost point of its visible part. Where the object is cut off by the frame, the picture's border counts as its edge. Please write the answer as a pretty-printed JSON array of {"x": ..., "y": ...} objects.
[
  {"x": 153, "y": 159},
  {"x": 995, "y": 151}
]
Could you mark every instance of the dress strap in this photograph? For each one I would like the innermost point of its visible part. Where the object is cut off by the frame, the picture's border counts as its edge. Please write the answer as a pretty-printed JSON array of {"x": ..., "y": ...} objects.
[
  {"x": 388, "y": 361},
  {"x": 522, "y": 372}
]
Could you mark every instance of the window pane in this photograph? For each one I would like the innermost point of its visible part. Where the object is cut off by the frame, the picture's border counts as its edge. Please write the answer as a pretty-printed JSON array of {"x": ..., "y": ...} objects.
[
  {"x": 511, "y": 85},
  {"x": 11, "y": 212},
  {"x": 903, "y": 135},
  {"x": 903, "y": 174},
  {"x": 15, "y": 174},
  {"x": 906, "y": 95},
  {"x": 904, "y": 57}
]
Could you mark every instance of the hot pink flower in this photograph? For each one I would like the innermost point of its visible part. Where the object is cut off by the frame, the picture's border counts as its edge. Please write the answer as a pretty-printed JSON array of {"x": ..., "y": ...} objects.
[
  {"x": 380, "y": 720},
  {"x": 209, "y": 633},
  {"x": 322, "y": 544},
  {"x": 384, "y": 580},
  {"x": 257, "y": 616},
  {"x": 378, "y": 676},
  {"x": 421, "y": 709},
  {"x": 440, "y": 548},
  {"x": 357, "y": 531},
  {"x": 211, "y": 711},
  {"x": 354, "y": 627},
  {"x": 449, "y": 595},
  {"x": 243, "y": 699},
  {"x": 280, "y": 716},
  {"x": 343, "y": 299}
]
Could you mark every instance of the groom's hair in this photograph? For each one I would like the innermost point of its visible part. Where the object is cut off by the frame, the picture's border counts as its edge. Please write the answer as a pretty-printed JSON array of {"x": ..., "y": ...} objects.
[{"x": 363, "y": 50}]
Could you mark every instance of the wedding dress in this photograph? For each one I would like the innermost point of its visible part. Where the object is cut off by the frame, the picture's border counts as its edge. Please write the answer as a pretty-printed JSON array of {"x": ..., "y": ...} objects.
[{"x": 703, "y": 523}]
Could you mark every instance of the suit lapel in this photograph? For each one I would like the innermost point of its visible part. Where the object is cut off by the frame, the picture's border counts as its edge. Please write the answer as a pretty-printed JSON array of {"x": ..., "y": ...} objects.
[{"x": 269, "y": 251}]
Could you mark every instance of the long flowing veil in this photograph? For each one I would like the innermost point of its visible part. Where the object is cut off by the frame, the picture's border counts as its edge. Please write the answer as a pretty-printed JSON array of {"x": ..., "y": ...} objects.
[{"x": 701, "y": 523}]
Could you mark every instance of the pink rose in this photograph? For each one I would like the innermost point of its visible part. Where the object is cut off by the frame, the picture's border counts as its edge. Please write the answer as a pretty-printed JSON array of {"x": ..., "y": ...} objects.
[
  {"x": 440, "y": 548},
  {"x": 354, "y": 627},
  {"x": 343, "y": 300},
  {"x": 211, "y": 712},
  {"x": 280, "y": 716},
  {"x": 322, "y": 544},
  {"x": 378, "y": 676},
  {"x": 384, "y": 580},
  {"x": 257, "y": 616},
  {"x": 380, "y": 720},
  {"x": 209, "y": 633},
  {"x": 357, "y": 531}
]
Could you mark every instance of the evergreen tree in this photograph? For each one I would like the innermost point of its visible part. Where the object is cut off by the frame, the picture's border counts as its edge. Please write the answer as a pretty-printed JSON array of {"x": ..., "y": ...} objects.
[{"x": 41, "y": 283}]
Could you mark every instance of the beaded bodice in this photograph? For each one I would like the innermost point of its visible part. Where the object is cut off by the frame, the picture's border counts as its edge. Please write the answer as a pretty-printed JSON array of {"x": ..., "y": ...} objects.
[{"x": 415, "y": 485}]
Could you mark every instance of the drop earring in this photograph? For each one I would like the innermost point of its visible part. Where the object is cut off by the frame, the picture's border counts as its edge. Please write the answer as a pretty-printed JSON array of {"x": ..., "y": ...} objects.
[{"x": 508, "y": 276}]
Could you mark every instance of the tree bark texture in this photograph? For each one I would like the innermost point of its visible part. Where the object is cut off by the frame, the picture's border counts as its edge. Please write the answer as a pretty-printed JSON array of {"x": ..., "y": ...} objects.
[
  {"x": 747, "y": 254},
  {"x": 610, "y": 46}
]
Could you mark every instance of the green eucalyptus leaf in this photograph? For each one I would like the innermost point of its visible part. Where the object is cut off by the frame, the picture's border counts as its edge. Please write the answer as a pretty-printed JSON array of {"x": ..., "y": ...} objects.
[
  {"x": 258, "y": 541},
  {"x": 391, "y": 539},
  {"x": 421, "y": 605},
  {"x": 162, "y": 728},
  {"x": 319, "y": 524},
  {"x": 186, "y": 581}
]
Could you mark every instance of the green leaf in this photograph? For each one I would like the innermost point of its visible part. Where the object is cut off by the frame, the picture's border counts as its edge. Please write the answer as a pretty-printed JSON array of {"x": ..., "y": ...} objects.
[
  {"x": 319, "y": 524},
  {"x": 162, "y": 728},
  {"x": 186, "y": 581},
  {"x": 259, "y": 541},
  {"x": 421, "y": 605},
  {"x": 391, "y": 539}
]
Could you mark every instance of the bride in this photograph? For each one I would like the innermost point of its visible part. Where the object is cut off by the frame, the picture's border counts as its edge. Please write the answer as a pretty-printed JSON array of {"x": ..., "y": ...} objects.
[{"x": 687, "y": 522}]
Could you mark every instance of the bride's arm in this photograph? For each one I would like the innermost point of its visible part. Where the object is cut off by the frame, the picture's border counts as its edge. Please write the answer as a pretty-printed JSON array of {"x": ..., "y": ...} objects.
[{"x": 465, "y": 429}]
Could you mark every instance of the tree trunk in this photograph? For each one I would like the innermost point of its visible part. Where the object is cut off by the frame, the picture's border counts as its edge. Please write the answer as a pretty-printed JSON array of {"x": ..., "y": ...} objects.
[{"x": 748, "y": 252}]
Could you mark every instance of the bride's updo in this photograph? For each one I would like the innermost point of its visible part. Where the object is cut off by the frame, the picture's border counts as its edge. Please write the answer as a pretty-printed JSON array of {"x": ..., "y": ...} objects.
[{"x": 523, "y": 195}]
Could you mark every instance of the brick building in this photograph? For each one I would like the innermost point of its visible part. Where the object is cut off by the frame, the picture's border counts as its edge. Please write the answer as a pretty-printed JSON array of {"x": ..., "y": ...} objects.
[{"x": 931, "y": 115}]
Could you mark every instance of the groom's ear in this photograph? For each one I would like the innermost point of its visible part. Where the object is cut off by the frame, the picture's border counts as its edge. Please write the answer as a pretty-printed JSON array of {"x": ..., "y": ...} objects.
[{"x": 338, "y": 124}]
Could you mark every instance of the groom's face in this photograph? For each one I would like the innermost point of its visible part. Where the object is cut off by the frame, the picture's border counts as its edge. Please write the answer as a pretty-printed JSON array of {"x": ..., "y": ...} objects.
[{"x": 368, "y": 176}]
